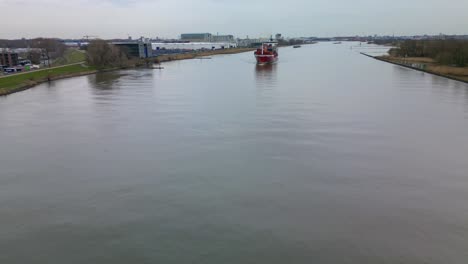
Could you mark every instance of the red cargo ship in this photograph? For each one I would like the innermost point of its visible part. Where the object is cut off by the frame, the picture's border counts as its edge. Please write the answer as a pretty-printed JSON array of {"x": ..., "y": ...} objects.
[{"x": 267, "y": 53}]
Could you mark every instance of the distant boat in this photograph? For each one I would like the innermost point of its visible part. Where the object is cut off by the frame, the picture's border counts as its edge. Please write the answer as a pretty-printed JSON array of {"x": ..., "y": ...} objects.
[
  {"x": 297, "y": 46},
  {"x": 339, "y": 42},
  {"x": 267, "y": 53}
]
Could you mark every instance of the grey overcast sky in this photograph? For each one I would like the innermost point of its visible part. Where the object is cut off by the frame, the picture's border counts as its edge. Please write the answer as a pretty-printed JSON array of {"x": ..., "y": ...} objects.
[{"x": 169, "y": 18}]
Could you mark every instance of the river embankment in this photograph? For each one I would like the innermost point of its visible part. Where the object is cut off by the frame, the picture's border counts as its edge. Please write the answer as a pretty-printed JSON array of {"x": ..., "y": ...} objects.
[
  {"x": 426, "y": 65},
  {"x": 23, "y": 81}
]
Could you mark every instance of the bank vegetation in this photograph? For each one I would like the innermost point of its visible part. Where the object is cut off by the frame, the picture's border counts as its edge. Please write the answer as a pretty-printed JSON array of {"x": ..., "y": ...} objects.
[
  {"x": 448, "y": 58},
  {"x": 445, "y": 52},
  {"x": 101, "y": 54}
]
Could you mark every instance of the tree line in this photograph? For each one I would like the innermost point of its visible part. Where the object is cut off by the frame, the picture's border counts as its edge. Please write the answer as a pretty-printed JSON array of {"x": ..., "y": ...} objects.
[
  {"x": 99, "y": 53},
  {"x": 40, "y": 48},
  {"x": 290, "y": 42},
  {"x": 447, "y": 52}
]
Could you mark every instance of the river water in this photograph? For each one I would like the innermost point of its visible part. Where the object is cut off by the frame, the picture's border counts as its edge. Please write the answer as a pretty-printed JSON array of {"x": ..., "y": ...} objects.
[{"x": 326, "y": 157}]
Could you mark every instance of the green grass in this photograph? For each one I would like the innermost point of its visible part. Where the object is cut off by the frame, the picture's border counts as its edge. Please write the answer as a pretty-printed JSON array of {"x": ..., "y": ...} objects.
[
  {"x": 13, "y": 82},
  {"x": 70, "y": 56}
]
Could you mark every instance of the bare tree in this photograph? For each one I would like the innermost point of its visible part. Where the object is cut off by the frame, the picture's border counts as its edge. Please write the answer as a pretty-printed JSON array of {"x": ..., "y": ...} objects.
[
  {"x": 51, "y": 48},
  {"x": 34, "y": 56},
  {"x": 102, "y": 54}
]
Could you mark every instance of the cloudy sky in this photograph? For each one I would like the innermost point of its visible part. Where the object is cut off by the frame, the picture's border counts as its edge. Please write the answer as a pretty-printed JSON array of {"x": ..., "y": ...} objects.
[{"x": 169, "y": 18}]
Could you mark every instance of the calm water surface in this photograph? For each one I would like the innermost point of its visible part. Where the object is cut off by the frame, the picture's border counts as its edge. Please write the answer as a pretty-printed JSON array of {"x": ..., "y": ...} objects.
[{"x": 326, "y": 157}]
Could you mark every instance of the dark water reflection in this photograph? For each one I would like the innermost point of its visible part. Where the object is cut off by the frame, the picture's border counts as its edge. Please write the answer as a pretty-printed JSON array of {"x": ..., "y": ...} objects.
[
  {"x": 266, "y": 75},
  {"x": 326, "y": 157},
  {"x": 105, "y": 81}
]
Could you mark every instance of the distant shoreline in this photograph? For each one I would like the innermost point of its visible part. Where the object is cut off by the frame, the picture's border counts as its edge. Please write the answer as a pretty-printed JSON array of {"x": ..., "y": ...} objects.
[{"x": 194, "y": 55}]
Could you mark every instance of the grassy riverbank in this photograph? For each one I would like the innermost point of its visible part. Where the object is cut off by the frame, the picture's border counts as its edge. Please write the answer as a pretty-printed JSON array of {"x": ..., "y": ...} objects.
[
  {"x": 19, "y": 82},
  {"x": 193, "y": 55},
  {"x": 70, "y": 56},
  {"x": 430, "y": 66}
]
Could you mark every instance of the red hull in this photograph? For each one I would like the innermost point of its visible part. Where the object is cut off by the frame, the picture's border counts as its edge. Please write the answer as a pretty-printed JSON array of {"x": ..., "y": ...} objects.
[
  {"x": 267, "y": 53},
  {"x": 266, "y": 59}
]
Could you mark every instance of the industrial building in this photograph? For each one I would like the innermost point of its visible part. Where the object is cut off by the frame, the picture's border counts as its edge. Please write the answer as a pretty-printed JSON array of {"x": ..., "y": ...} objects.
[
  {"x": 9, "y": 59},
  {"x": 250, "y": 43},
  {"x": 196, "y": 37},
  {"x": 207, "y": 37},
  {"x": 223, "y": 38},
  {"x": 140, "y": 49}
]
